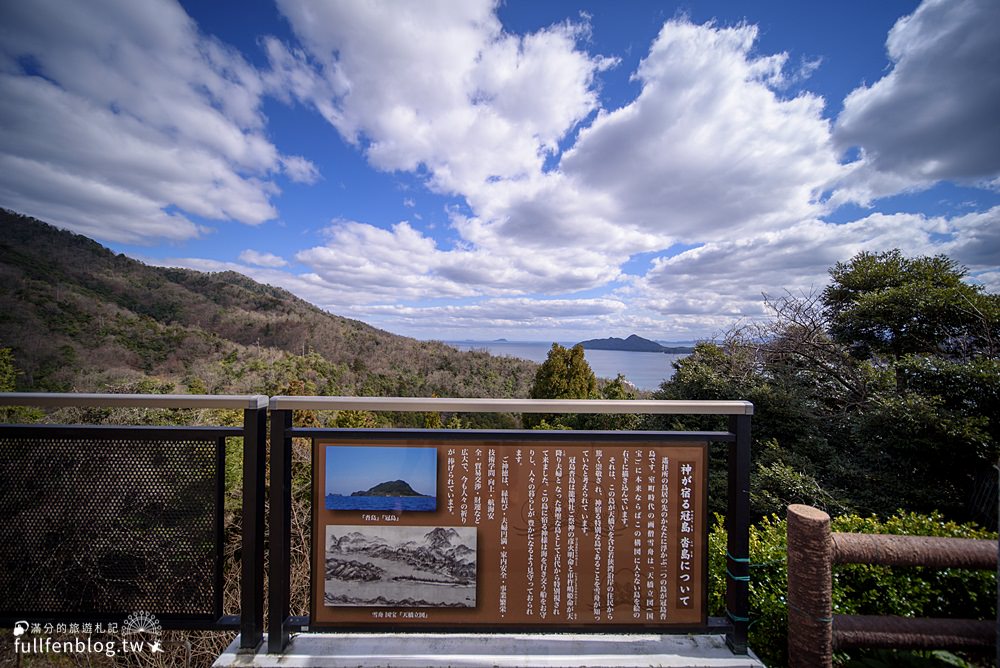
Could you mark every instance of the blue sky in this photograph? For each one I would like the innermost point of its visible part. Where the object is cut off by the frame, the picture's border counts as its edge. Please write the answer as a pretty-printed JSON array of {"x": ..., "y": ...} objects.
[
  {"x": 533, "y": 171},
  {"x": 352, "y": 468}
]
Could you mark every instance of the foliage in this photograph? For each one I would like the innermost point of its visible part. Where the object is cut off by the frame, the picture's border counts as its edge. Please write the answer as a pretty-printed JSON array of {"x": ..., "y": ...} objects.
[
  {"x": 618, "y": 389},
  {"x": 356, "y": 420},
  {"x": 565, "y": 374},
  {"x": 8, "y": 374},
  {"x": 8, "y": 381},
  {"x": 856, "y": 403},
  {"x": 903, "y": 659},
  {"x": 109, "y": 320},
  {"x": 887, "y": 304},
  {"x": 857, "y": 589},
  {"x": 768, "y": 585}
]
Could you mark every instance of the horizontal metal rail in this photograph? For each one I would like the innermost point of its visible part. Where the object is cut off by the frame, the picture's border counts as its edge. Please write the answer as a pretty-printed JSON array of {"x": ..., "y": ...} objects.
[
  {"x": 499, "y": 435},
  {"x": 83, "y": 400},
  {"x": 417, "y": 404},
  {"x": 402, "y": 404},
  {"x": 100, "y": 431}
]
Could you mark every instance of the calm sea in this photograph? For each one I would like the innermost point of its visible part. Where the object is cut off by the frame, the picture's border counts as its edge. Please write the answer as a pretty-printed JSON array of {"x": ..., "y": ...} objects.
[
  {"x": 644, "y": 370},
  {"x": 397, "y": 503}
]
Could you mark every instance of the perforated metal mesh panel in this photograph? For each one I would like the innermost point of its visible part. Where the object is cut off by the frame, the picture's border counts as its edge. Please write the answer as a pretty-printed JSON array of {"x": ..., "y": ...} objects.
[{"x": 105, "y": 524}]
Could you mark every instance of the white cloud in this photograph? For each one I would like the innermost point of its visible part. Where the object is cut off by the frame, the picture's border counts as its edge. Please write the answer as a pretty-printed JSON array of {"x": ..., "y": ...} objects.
[
  {"x": 128, "y": 118},
  {"x": 371, "y": 264},
  {"x": 726, "y": 279},
  {"x": 262, "y": 259},
  {"x": 121, "y": 119},
  {"x": 975, "y": 243},
  {"x": 299, "y": 169},
  {"x": 708, "y": 149},
  {"x": 438, "y": 85},
  {"x": 563, "y": 319},
  {"x": 934, "y": 115}
]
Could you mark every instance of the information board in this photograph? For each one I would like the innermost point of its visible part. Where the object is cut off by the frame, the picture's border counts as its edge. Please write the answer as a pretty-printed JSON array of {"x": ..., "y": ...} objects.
[{"x": 518, "y": 533}]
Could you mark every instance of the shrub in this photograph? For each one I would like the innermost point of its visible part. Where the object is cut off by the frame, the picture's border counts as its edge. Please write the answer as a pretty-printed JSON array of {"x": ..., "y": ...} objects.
[{"x": 857, "y": 589}]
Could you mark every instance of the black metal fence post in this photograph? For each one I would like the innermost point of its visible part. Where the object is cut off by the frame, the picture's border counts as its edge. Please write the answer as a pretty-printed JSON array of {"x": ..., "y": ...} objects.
[
  {"x": 280, "y": 527},
  {"x": 738, "y": 532},
  {"x": 252, "y": 551}
]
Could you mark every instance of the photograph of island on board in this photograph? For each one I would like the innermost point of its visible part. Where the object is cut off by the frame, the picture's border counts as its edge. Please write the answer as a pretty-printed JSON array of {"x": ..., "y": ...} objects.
[{"x": 378, "y": 478}]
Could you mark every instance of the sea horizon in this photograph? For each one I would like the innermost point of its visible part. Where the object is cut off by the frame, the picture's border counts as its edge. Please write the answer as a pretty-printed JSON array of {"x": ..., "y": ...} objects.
[{"x": 646, "y": 371}]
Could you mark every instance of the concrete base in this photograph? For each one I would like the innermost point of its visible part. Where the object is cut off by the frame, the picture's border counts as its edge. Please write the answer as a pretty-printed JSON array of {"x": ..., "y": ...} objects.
[{"x": 416, "y": 650}]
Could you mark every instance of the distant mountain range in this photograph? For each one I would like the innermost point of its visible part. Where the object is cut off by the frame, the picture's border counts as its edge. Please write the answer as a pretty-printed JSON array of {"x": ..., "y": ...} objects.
[{"x": 635, "y": 344}]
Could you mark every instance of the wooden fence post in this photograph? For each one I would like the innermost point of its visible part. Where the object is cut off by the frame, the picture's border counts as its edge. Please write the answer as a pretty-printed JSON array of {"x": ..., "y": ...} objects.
[{"x": 810, "y": 599}]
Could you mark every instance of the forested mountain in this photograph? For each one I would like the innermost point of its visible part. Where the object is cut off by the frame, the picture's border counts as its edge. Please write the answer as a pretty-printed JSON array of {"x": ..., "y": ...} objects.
[{"x": 80, "y": 317}]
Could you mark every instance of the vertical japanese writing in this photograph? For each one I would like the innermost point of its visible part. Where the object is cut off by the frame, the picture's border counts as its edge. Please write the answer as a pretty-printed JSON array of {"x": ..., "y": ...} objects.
[
  {"x": 491, "y": 484},
  {"x": 650, "y": 533},
  {"x": 585, "y": 493},
  {"x": 571, "y": 541},
  {"x": 637, "y": 535},
  {"x": 477, "y": 488},
  {"x": 463, "y": 506},
  {"x": 687, "y": 528},
  {"x": 664, "y": 538},
  {"x": 598, "y": 526},
  {"x": 609, "y": 585},
  {"x": 530, "y": 512},
  {"x": 543, "y": 540},
  {"x": 534, "y": 514},
  {"x": 450, "y": 483},
  {"x": 557, "y": 533},
  {"x": 625, "y": 480},
  {"x": 504, "y": 506}
]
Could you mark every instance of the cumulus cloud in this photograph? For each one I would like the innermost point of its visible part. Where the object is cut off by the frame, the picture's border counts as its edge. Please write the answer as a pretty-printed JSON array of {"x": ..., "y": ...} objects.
[
  {"x": 727, "y": 278},
  {"x": 974, "y": 241},
  {"x": 123, "y": 121},
  {"x": 438, "y": 85},
  {"x": 566, "y": 319},
  {"x": 934, "y": 115},
  {"x": 125, "y": 118},
  {"x": 371, "y": 263},
  {"x": 262, "y": 259},
  {"x": 709, "y": 147},
  {"x": 299, "y": 169}
]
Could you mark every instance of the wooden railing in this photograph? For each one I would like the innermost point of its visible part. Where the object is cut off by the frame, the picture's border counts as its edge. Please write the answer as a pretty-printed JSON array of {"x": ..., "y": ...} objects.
[{"x": 814, "y": 632}]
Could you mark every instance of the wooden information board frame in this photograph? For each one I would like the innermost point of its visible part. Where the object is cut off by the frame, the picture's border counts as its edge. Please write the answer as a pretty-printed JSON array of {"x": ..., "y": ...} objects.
[{"x": 519, "y": 532}]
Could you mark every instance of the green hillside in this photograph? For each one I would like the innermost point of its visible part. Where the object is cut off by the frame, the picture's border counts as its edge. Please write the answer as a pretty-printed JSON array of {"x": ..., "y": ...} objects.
[{"x": 80, "y": 317}]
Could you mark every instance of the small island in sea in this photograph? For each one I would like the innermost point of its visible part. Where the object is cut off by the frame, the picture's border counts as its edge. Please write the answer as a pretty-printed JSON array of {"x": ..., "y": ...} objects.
[
  {"x": 391, "y": 488},
  {"x": 635, "y": 344}
]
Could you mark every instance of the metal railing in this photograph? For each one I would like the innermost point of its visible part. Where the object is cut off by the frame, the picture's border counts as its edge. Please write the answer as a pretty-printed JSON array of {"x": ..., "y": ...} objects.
[
  {"x": 281, "y": 623},
  {"x": 192, "y": 460},
  {"x": 103, "y": 521}
]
